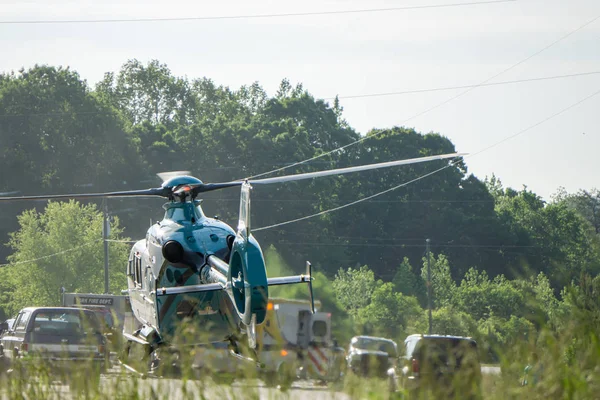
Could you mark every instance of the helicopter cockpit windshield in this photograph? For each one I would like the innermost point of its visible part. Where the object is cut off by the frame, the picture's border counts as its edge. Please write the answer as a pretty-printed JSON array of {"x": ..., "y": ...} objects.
[{"x": 186, "y": 212}]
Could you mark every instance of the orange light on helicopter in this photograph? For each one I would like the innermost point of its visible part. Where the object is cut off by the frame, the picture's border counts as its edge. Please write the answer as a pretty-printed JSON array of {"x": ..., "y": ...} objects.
[
  {"x": 284, "y": 352},
  {"x": 269, "y": 306}
]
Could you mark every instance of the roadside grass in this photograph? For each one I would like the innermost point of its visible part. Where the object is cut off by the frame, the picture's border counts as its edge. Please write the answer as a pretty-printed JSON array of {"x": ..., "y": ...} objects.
[{"x": 563, "y": 365}]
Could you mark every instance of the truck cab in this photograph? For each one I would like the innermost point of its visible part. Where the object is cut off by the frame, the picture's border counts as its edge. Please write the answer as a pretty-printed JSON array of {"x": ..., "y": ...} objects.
[{"x": 296, "y": 343}]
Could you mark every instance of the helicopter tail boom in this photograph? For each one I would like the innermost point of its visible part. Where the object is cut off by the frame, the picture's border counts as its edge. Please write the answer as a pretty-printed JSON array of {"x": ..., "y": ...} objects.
[
  {"x": 204, "y": 287},
  {"x": 303, "y": 278}
]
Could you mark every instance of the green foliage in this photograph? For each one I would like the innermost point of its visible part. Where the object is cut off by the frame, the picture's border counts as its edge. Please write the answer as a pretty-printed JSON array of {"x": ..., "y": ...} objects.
[
  {"x": 554, "y": 238},
  {"x": 481, "y": 297},
  {"x": 443, "y": 287},
  {"x": 323, "y": 291},
  {"x": 61, "y": 248},
  {"x": 59, "y": 134},
  {"x": 354, "y": 288},
  {"x": 390, "y": 314},
  {"x": 450, "y": 321},
  {"x": 408, "y": 283}
]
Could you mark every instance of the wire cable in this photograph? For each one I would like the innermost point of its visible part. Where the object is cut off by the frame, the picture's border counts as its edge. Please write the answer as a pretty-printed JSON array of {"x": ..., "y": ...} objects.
[
  {"x": 479, "y": 246},
  {"x": 359, "y": 96},
  {"x": 451, "y": 164},
  {"x": 439, "y": 104},
  {"x": 534, "y": 79},
  {"x": 252, "y": 16},
  {"x": 51, "y": 255}
]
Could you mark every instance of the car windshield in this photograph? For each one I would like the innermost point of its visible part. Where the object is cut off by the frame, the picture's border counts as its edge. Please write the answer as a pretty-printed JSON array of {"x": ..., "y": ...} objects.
[
  {"x": 65, "y": 322},
  {"x": 376, "y": 345},
  {"x": 447, "y": 351}
]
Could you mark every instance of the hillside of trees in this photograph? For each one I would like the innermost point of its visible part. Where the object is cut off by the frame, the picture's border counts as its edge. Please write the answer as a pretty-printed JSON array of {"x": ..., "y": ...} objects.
[{"x": 504, "y": 261}]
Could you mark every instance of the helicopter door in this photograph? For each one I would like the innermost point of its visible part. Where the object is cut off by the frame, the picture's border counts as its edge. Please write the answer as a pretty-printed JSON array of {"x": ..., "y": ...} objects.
[{"x": 149, "y": 300}]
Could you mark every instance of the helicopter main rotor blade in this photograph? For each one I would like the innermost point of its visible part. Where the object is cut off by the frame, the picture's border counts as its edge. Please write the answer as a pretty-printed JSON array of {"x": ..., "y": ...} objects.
[
  {"x": 208, "y": 187},
  {"x": 157, "y": 192},
  {"x": 340, "y": 171}
]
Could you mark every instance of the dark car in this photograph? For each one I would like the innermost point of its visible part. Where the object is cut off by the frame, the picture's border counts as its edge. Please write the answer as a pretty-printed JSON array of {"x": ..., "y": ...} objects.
[
  {"x": 445, "y": 367},
  {"x": 371, "y": 356},
  {"x": 64, "y": 337}
]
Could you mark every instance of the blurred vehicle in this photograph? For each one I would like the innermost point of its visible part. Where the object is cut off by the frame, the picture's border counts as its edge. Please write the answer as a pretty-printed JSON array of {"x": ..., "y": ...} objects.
[
  {"x": 444, "y": 367},
  {"x": 60, "y": 336},
  {"x": 6, "y": 326},
  {"x": 111, "y": 308},
  {"x": 371, "y": 356},
  {"x": 295, "y": 343}
]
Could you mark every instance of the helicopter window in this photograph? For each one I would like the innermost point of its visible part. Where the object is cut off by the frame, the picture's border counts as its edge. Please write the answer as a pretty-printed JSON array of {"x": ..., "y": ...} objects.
[
  {"x": 176, "y": 214},
  {"x": 138, "y": 271}
]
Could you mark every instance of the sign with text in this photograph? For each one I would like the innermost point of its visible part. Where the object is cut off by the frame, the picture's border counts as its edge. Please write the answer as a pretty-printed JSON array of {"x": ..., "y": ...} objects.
[{"x": 93, "y": 301}]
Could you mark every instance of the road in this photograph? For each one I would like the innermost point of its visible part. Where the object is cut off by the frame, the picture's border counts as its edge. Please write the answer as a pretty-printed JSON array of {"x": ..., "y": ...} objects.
[
  {"x": 124, "y": 385},
  {"x": 119, "y": 383}
]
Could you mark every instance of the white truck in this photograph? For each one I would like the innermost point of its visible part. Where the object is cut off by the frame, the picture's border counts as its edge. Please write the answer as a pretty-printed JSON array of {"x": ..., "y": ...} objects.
[
  {"x": 113, "y": 310},
  {"x": 294, "y": 343}
]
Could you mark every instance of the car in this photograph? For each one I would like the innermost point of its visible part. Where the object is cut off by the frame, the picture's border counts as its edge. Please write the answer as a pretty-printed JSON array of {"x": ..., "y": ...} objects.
[
  {"x": 371, "y": 356},
  {"x": 440, "y": 366},
  {"x": 6, "y": 325},
  {"x": 63, "y": 337}
]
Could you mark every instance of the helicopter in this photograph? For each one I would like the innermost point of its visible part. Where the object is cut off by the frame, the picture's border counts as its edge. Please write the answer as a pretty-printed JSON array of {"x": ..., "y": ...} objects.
[{"x": 192, "y": 267}]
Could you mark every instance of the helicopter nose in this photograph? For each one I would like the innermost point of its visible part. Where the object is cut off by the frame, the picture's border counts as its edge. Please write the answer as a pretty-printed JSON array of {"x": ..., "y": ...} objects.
[{"x": 173, "y": 251}]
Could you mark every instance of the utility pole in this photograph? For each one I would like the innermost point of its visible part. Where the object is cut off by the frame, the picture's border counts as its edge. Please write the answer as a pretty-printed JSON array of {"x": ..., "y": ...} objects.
[
  {"x": 428, "y": 283},
  {"x": 105, "y": 233}
]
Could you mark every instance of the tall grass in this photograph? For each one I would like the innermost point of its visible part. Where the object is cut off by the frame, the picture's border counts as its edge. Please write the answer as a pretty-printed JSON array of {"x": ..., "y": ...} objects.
[{"x": 567, "y": 367}]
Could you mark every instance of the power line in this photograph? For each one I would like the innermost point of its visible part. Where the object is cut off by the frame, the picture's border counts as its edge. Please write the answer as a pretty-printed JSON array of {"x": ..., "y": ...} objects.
[
  {"x": 465, "y": 86},
  {"x": 355, "y": 202},
  {"x": 252, "y": 16},
  {"x": 439, "y": 104},
  {"x": 482, "y": 246},
  {"x": 451, "y": 164},
  {"x": 439, "y": 89},
  {"x": 51, "y": 255},
  {"x": 255, "y": 200},
  {"x": 123, "y": 241},
  {"x": 535, "y": 125}
]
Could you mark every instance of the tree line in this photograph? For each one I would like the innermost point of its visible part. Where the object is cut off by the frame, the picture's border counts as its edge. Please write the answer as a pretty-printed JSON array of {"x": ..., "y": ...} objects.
[{"x": 61, "y": 135}]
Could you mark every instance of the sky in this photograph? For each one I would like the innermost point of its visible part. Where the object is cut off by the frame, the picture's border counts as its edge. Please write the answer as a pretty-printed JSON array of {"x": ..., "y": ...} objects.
[{"x": 544, "y": 134}]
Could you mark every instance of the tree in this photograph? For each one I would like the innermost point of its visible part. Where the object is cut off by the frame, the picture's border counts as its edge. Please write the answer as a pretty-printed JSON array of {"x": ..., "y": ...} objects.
[
  {"x": 551, "y": 238},
  {"x": 450, "y": 321},
  {"x": 58, "y": 137},
  {"x": 481, "y": 297},
  {"x": 391, "y": 314},
  {"x": 147, "y": 93},
  {"x": 62, "y": 248},
  {"x": 408, "y": 283},
  {"x": 442, "y": 285},
  {"x": 354, "y": 288},
  {"x": 585, "y": 202}
]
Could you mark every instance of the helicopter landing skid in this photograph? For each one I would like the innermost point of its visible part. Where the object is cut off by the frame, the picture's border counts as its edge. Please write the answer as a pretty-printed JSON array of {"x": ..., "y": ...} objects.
[
  {"x": 241, "y": 357},
  {"x": 133, "y": 370},
  {"x": 234, "y": 351}
]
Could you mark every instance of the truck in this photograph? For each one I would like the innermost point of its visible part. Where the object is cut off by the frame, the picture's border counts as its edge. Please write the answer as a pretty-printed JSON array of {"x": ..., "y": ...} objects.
[
  {"x": 295, "y": 343},
  {"x": 113, "y": 310}
]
